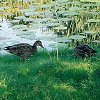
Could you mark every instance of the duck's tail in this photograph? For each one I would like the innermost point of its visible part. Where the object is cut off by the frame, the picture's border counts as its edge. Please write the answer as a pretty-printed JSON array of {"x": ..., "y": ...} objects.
[{"x": 93, "y": 51}]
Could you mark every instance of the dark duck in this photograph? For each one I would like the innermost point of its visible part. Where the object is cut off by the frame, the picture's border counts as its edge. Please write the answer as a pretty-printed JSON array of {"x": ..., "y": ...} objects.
[
  {"x": 83, "y": 50},
  {"x": 23, "y": 50}
]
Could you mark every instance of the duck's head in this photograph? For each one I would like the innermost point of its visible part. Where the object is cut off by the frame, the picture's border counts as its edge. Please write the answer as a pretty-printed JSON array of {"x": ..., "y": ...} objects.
[{"x": 38, "y": 43}]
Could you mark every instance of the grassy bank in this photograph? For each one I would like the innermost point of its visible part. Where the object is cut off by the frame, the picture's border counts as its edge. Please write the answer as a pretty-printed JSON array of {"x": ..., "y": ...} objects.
[{"x": 43, "y": 78}]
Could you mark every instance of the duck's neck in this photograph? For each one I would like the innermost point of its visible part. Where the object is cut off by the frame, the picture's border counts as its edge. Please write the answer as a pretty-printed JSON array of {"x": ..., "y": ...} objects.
[
  {"x": 77, "y": 43},
  {"x": 34, "y": 46}
]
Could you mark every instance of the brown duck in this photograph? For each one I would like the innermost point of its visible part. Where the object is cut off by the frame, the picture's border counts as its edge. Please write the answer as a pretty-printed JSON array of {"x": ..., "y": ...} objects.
[
  {"x": 23, "y": 50},
  {"x": 83, "y": 50}
]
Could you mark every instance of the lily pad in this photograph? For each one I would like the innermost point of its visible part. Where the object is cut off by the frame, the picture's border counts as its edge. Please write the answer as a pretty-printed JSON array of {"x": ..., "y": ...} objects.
[
  {"x": 95, "y": 13},
  {"x": 70, "y": 13},
  {"x": 52, "y": 24},
  {"x": 63, "y": 45},
  {"x": 74, "y": 2},
  {"x": 61, "y": 27},
  {"x": 19, "y": 26},
  {"x": 75, "y": 8},
  {"x": 58, "y": 45},
  {"x": 4, "y": 8},
  {"x": 77, "y": 37},
  {"x": 26, "y": 33},
  {"x": 15, "y": 21},
  {"x": 32, "y": 13},
  {"x": 38, "y": 25},
  {"x": 28, "y": 20},
  {"x": 62, "y": 1},
  {"x": 89, "y": 0},
  {"x": 25, "y": 0},
  {"x": 46, "y": 38},
  {"x": 26, "y": 10},
  {"x": 96, "y": 41},
  {"x": 61, "y": 12},
  {"x": 65, "y": 19},
  {"x": 53, "y": 45},
  {"x": 91, "y": 5},
  {"x": 89, "y": 32},
  {"x": 63, "y": 40},
  {"x": 20, "y": 17},
  {"x": 41, "y": 20},
  {"x": 93, "y": 21},
  {"x": 45, "y": 6},
  {"x": 27, "y": 36}
]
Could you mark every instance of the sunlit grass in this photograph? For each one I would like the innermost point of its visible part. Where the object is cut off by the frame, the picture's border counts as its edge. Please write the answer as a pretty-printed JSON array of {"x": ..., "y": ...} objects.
[{"x": 43, "y": 78}]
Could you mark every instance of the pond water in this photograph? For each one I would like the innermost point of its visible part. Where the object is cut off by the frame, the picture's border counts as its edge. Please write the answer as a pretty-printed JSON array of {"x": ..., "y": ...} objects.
[
  {"x": 8, "y": 36},
  {"x": 26, "y": 22}
]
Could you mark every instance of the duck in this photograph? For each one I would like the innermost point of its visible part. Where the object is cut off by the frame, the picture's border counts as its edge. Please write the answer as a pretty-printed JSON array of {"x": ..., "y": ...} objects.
[
  {"x": 83, "y": 50},
  {"x": 23, "y": 50}
]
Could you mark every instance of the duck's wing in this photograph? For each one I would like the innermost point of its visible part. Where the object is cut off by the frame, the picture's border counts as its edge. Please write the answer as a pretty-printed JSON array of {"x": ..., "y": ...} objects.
[
  {"x": 18, "y": 49},
  {"x": 84, "y": 50},
  {"x": 88, "y": 49},
  {"x": 17, "y": 46},
  {"x": 78, "y": 51}
]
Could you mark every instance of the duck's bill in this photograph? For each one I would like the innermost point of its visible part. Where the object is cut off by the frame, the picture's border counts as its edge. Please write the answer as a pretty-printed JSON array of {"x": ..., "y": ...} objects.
[{"x": 42, "y": 46}]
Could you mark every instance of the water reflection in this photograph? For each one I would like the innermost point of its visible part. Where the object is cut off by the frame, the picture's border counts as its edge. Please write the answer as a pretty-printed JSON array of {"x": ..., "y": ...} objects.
[{"x": 11, "y": 36}]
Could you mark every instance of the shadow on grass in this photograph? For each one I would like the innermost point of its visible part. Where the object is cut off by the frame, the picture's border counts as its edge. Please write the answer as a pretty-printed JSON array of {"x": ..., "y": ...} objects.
[{"x": 42, "y": 77}]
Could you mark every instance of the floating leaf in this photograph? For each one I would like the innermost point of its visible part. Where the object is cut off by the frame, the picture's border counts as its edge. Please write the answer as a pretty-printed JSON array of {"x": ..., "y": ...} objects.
[
  {"x": 32, "y": 13},
  {"x": 20, "y": 17},
  {"x": 77, "y": 37},
  {"x": 15, "y": 21},
  {"x": 61, "y": 27},
  {"x": 4, "y": 8},
  {"x": 19, "y": 26},
  {"x": 41, "y": 20},
  {"x": 89, "y": 0},
  {"x": 53, "y": 45},
  {"x": 93, "y": 21},
  {"x": 58, "y": 45},
  {"x": 28, "y": 20},
  {"x": 61, "y": 12},
  {"x": 65, "y": 19},
  {"x": 96, "y": 41},
  {"x": 62, "y": 1},
  {"x": 26, "y": 10},
  {"x": 70, "y": 13},
  {"x": 95, "y": 13},
  {"x": 63, "y": 39},
  {"x": 46, "y": 38},
  {"x": 25, "y": 0},
  {"x": 45, "y": 6},
  {"x": 27, "y": 35},
  {"x": 91, "y": 5},
  {"x": 38, "y": 25},
  {"x": 89, "y": 32},
  {"x": 52, "y": 24},
  {"x": 75, "y": 8}
]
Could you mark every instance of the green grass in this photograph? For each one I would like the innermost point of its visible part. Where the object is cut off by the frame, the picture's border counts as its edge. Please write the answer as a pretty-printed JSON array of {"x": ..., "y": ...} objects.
[{"x": 43, "y": 78}]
